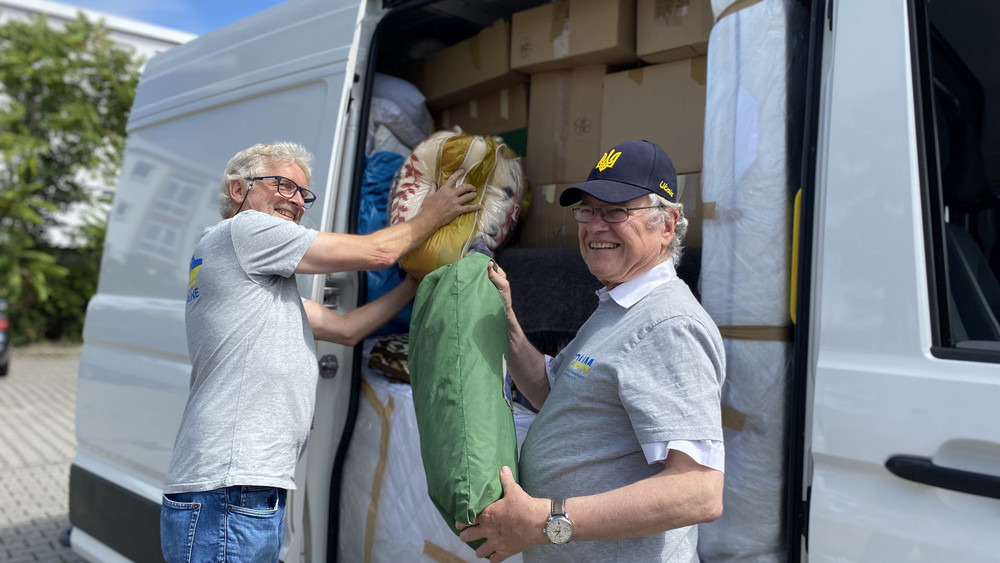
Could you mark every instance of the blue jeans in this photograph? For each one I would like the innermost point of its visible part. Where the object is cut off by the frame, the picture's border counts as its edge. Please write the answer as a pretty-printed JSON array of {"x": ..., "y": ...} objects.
[{"x": 225, "y": 525}]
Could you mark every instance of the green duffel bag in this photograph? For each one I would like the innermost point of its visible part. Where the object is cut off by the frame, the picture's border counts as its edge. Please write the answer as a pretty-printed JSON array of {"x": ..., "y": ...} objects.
[{"x": 461, "y": 390}]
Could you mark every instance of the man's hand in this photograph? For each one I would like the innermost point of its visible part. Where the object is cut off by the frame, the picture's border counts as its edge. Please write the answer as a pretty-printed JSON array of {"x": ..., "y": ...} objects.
[
  {"x": 499, "y": 279},
  {"x": 447, "y": 202},
  {"x": 510, "y": 525}
]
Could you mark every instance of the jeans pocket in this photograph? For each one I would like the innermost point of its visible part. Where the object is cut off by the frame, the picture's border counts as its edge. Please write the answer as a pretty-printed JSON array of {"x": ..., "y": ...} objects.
[
  {"x": 178, "y": 521},
  {"x": 256, "y": 529},
  {"x": 259, "y": 501}
]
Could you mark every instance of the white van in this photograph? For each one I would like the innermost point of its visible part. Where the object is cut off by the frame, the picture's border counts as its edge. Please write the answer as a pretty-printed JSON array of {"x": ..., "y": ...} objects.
[{"x": 849, "y": 249}]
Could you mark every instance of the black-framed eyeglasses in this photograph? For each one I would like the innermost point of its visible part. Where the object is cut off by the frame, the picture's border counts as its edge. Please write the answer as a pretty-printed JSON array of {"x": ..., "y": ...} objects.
[
  {"x": 610, "y": 213},
  {"x": 287, "y": 188}
]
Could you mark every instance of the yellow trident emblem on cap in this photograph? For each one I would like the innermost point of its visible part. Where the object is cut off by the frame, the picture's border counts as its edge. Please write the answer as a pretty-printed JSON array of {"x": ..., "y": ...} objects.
[{"x": 608, "y": 160}]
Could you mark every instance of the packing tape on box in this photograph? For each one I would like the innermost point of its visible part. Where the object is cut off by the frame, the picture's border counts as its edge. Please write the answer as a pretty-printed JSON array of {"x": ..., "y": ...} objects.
[
  {"x": 670, "y": 13},
  {"x": 384, "y": 412},
  {"x": 758, "y": 333},
  {"x": 440, "y": 554},
  {"x": 559, "y": 30},
  {"x": 733, "y": 419},
  {"x": 560, "y": 15},
  {"x": 699, "y": 70},
  {"x": 736, "y": 7},
  {"x": 564, "y": 93},
  {"x": 505, "y": 103},
  {"x": 548, "y": 192},
  {"x": 635, "y": 75}
]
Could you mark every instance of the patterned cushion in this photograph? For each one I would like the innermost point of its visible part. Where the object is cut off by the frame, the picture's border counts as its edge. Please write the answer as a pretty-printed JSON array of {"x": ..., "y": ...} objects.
[
  {"x": 490, "y": 165},
  {"x": 389, "y": 357}
]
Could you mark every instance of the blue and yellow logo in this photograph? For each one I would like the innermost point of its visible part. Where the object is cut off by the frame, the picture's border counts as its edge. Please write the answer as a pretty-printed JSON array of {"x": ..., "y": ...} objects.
[
  {"x": 193, "y": 279},
  {"x": 608, "y": 160},
  {"x": 579, "y": 367}
]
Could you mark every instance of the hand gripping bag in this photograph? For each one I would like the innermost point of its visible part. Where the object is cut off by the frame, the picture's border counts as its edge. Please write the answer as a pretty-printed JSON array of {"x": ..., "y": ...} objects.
[
  {"x": 490, "y": 165},
  {"x": 461, "y": 390}
]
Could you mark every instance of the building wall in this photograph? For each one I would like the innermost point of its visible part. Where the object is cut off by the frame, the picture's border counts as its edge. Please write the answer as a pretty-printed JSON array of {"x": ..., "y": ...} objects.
[{"x": 144, "y": 39}]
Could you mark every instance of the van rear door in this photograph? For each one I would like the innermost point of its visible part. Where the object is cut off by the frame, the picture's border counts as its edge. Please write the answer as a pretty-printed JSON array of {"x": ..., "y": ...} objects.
[
  {"x": 904, "y": 431},
  {"x": 283, "y": 74}
]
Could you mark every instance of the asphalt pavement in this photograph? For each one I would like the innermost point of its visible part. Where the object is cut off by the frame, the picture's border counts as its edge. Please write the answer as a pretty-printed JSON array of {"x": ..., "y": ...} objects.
[{"x": 37, "y": 443}]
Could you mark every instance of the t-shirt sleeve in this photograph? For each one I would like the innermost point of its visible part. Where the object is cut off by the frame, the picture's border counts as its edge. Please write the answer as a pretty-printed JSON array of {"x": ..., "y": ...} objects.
[
  {"x": 670, "y": 383},
  {"x": 269, "y": 246}
]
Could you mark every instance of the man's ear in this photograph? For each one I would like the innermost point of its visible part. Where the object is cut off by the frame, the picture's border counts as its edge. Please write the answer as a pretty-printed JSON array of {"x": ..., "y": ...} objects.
[
  {"x": 669, "y": 225},
  {"x": 236, "y": 191}
]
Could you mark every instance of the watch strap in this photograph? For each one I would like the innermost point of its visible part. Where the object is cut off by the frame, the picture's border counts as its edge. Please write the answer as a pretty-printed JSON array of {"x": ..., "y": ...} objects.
[{"x": 558, "y": 507}]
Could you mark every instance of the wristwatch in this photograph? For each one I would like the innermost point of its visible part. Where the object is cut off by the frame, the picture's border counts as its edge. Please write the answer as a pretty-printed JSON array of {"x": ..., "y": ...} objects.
[{"x": 558, "y": 527}]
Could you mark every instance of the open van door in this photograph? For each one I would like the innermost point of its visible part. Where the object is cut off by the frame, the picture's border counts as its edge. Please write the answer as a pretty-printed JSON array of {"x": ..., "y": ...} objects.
[
  {"x": 283, "y": 74},
  {"x": 906, "y": 341}
]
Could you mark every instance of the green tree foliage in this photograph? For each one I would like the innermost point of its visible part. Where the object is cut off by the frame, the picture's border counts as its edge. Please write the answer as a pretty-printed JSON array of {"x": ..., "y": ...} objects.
[{"x": 65, "y": 95}]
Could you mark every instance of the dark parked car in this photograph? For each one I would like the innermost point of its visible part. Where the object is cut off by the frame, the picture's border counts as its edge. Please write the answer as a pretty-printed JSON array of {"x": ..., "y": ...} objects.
[{"x": 4, "y": 338}]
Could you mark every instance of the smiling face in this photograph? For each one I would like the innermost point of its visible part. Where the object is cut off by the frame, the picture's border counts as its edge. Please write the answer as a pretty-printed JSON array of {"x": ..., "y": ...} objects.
[
  {"x": 618, "y": 252},
  {"x": 263, "y": 196}
]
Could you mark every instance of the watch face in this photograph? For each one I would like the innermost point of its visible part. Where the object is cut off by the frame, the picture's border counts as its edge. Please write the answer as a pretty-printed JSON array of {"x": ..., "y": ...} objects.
[{"x": 559, "y": 529}]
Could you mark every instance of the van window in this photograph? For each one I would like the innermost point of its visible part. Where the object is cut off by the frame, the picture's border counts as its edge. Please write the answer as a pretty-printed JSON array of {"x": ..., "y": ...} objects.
[{"x": 958, "y": 97}]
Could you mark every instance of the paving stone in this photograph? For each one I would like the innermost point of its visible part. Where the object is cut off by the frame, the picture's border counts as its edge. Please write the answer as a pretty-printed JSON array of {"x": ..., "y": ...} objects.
[{"x": 37, "y": 444}]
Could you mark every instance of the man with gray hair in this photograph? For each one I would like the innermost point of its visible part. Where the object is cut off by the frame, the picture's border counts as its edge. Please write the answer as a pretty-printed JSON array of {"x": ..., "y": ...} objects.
[
  {"x": 251, "y": 342},
  {"x": 626, "y": 453}
]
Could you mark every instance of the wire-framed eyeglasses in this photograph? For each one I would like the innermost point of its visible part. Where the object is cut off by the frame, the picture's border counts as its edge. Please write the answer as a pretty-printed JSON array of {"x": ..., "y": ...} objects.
[
  {"x": 287, "y": 188},
  {"x": 610, "y": 213}
]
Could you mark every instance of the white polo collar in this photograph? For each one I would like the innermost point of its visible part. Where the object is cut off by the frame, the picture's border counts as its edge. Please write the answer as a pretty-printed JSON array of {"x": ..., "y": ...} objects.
[{"x": 630, "y": 292}]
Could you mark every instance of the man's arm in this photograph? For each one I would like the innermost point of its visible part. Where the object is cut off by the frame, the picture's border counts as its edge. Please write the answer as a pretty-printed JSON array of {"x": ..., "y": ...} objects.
[
  {"x": 525, "y": 363},
  {"x": 682, "y": 494},
  {"x": 351, "y": 328},
  {"x": 337, "y": 252}
]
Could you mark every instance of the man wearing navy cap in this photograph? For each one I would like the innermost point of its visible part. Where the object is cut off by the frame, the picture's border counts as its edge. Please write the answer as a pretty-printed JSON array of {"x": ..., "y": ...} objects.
[{"x": 626, "y": 454}]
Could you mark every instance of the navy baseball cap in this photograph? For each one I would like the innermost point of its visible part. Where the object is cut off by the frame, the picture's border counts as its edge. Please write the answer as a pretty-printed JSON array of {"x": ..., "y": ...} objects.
[{"x": 630, "y": 170}]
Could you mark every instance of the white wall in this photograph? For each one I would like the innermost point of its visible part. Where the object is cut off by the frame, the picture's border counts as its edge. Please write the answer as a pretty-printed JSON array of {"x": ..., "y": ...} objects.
[{"x": 144, "y": 39}]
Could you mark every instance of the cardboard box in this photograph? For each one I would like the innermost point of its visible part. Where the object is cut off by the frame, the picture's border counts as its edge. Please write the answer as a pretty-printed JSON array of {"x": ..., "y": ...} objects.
[
  {"x": 546, "y": 224},
  {"x": 564, "y": 124},
  {"x": 493, "y": 114},
  {"x": 664, "y": 104},
  {"x": 570, "y": 33},
  {"x": 474, "y": 67},
  {"x": 671, "y": 30}
]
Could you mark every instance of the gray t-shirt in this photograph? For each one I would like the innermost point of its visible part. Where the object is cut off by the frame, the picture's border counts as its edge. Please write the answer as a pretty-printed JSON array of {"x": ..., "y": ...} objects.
[
  {"x": 253, "y": 360},
  {"x": 648, "y": 373}
]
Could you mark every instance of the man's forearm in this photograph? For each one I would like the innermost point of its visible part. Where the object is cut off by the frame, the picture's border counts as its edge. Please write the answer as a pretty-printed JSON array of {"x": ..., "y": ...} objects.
[
  {"x": 526, "y": 364},
  {"x": 683, "y": 494}
]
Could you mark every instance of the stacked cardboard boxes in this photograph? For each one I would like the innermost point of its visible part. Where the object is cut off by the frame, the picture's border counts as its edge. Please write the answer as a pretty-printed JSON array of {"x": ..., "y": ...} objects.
[
  {"x": 502, "y": 113},
  {"x": 570, "y": 33},
  {"x": 602, "y": 73},
  {"x": 474, "y": 67},
  {"x": 576, "y": 77}
]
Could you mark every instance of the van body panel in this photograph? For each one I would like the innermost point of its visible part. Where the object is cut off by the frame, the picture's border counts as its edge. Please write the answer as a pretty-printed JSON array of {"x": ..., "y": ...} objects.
[
  {"x": 284, "y": 79},
  {"x": 878, "y": 390}
]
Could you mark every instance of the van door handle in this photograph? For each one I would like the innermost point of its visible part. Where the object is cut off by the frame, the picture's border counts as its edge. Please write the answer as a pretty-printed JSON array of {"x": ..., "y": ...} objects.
[{"x": 924, "y": 470}]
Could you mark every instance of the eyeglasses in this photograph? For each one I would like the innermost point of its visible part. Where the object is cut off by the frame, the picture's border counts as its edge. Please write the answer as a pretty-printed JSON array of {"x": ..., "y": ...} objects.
[
  {"x": 610, "y": 214},
  {"x": 287, "y": 188}
]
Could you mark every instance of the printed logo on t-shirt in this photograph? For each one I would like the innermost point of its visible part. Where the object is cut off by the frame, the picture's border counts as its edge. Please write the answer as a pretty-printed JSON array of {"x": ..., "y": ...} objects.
[
  {"x": 579, "y": 367},
  {"x": 193, "y": 279}
]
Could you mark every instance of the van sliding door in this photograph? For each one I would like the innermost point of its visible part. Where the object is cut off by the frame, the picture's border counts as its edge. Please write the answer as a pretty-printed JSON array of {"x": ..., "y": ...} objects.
[{"x": 905, "y": 448}]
